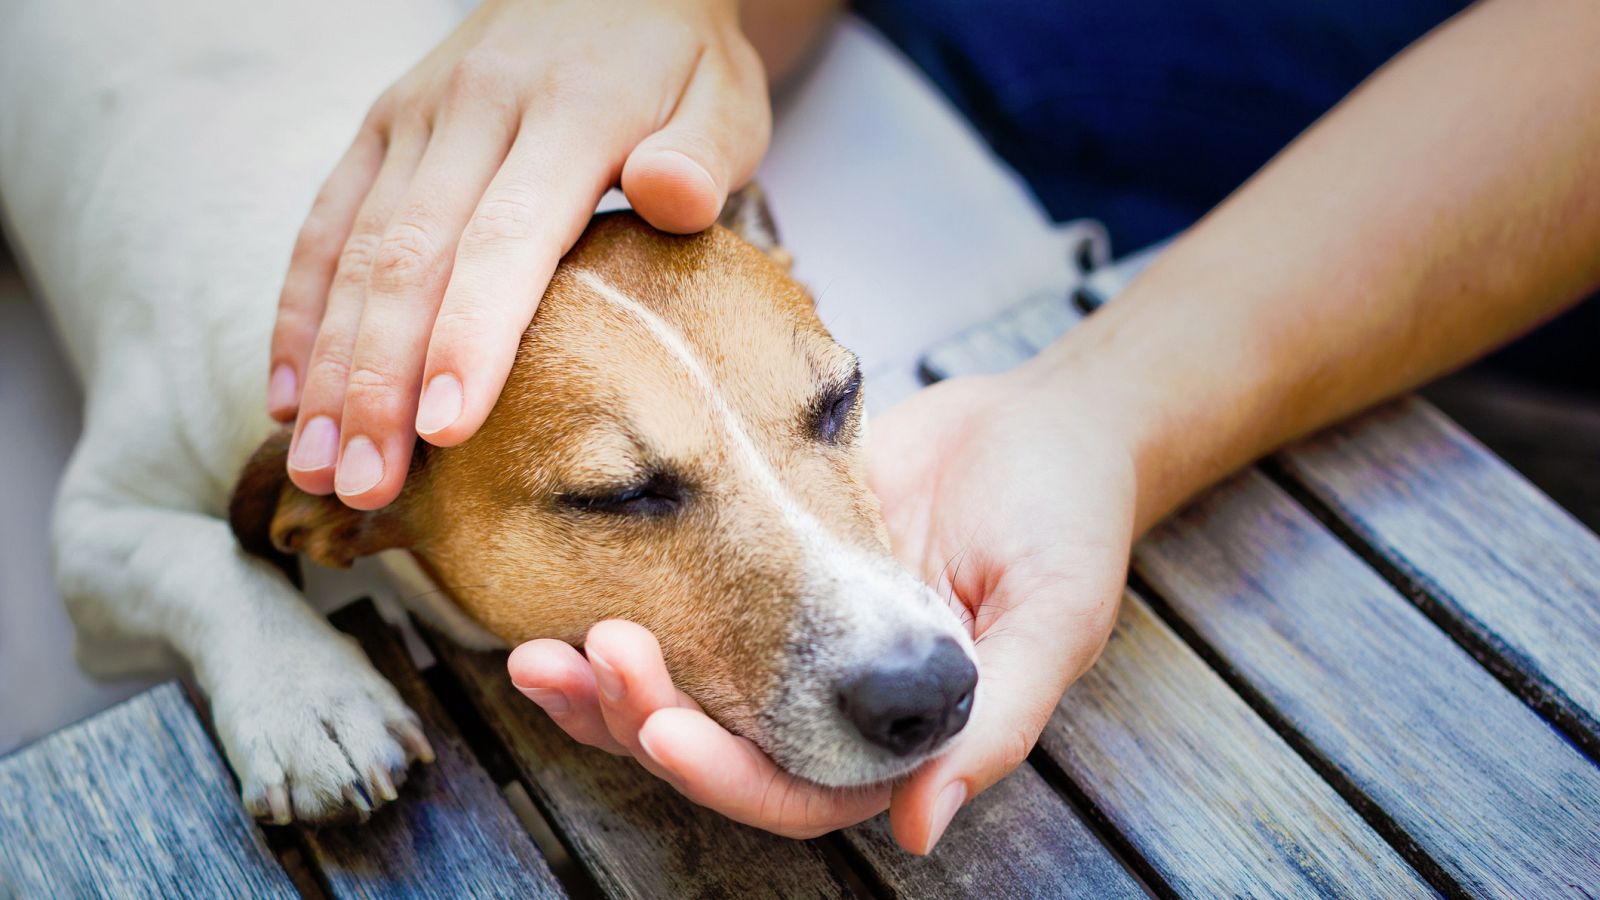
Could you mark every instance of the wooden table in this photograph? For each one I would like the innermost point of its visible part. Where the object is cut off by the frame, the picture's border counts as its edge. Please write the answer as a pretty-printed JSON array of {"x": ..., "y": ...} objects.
[{"x": 1367, "y": 666}]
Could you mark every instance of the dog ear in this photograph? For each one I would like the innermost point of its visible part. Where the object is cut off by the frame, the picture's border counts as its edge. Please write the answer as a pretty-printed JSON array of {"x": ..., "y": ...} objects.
[
  {"x": 747, "y": 215},
  {"x": 273, "y": 519}
]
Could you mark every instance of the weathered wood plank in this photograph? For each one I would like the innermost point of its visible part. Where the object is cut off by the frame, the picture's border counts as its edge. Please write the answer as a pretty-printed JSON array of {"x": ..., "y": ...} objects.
[
  {"x": 1017, "y": 839},
  {"x": 643, "y": 839},
  {"x": 450, "y": 834},
  {"x": 133, "y": 802},
  {"x": 1504, "y": 568},
  {"x": 1487, "y": 796},
  {"x": 1377, "y": 695},
  {"x": 1207, "y": 794},
  {"x": 637, "y": 836}
]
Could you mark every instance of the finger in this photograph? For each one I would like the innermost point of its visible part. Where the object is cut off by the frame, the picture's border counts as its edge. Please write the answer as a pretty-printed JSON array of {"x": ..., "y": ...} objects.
[
  {"x": 315, "y": 447},
  {"x": 731, "y": 775},
  {"x": 679, "y": 177},
  {"x": 632, "y": 680},
  {"x": 529, "y": 216},
  {"x": 404, "y": 287},
  {"x": 311, "y": 267},
  {"x": 1017, "y": 693},
  {"x": 557, "y": 678}
]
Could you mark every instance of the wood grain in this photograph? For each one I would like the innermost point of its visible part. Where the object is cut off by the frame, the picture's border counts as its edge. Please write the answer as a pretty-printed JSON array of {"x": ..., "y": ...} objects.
[
  {"x": 450, "y": 834},
  {"x": 635, "y": 834},
  {"x": 1486, "y": 794},
  {"x": 1205, "y": 792},
  {"x": 1506, "y": 570},
  {"x": 1017, "y": 839},
  {"x": 133, "y": 802}
]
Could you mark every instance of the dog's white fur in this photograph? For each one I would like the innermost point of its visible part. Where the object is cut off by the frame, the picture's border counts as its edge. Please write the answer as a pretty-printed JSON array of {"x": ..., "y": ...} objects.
[{"x": 161, "y": 157}]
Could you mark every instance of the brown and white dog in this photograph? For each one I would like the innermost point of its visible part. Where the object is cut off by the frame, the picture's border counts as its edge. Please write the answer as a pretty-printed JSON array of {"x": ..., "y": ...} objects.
[{"x": 680, "y": 443}]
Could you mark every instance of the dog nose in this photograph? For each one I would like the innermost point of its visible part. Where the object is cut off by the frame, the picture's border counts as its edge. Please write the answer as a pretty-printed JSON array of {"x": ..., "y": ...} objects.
[{"x": 913, "y": 699}]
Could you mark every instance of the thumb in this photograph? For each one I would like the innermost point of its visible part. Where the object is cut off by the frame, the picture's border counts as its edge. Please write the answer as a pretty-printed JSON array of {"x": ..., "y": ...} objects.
[
  {"x": 1026, "y": 660},
  {"x": 678, "y": 177}
]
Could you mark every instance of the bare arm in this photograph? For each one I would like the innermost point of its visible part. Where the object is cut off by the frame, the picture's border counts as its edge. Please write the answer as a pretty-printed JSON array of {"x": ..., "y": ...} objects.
[{"x": 1448, "y": 205}]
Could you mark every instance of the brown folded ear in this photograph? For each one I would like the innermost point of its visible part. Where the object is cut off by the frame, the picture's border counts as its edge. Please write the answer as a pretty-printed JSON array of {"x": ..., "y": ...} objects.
[
  {"x": 747, "y": 215},
  {"x": 273, "y": 519}
]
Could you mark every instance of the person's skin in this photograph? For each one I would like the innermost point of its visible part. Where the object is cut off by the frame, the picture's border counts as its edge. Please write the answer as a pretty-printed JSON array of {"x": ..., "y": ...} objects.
[
  {"x": 430, "y": 244},
  {"x": 1449, "y": 204}
]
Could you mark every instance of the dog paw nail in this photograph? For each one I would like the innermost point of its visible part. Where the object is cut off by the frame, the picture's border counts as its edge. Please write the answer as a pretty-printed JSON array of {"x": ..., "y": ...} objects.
[
  {"x": 417, "y": 742},
  {"x": 381, "y": 784},
  {"x": 358, "y": 800},
  {"x": 278, "y": 804}
]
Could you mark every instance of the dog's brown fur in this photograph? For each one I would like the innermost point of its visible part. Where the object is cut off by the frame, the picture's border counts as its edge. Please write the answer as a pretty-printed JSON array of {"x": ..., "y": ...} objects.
[{"x": 595, "y": 403}]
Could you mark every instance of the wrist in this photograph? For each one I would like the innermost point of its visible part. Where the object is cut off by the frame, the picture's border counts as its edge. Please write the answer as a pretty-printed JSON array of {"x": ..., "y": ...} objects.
[{"x": 1124, "y": 373}]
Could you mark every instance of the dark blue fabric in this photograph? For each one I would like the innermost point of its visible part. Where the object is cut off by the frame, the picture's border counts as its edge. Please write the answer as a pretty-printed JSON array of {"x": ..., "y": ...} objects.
[{"x": 1144, "y": 114}]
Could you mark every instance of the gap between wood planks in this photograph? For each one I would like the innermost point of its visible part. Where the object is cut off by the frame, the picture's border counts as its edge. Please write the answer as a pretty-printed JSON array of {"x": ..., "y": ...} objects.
[
  {"x": 1500, "y": 660},
  {"x": 1367, "y": 808}
]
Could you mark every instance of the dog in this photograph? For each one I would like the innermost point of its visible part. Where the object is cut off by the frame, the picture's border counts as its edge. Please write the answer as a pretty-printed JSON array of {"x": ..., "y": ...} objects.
[{"x": 680, "y": 442}]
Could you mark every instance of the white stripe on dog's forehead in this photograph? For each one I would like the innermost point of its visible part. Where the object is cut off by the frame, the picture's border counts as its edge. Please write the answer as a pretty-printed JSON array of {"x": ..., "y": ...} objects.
[
  {"x": 892, "y": 600},
  {"x": 670, "y": 338}
]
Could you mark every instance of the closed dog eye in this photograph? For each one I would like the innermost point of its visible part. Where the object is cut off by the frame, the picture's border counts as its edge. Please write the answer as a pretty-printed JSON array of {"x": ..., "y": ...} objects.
[
  {"x": 831, "y": 413},
  {"x": 655, "y": 496}
]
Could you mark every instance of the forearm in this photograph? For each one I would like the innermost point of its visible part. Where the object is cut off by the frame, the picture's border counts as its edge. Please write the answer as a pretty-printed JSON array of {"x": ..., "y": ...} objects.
[{"x": 1449, "y": 204}]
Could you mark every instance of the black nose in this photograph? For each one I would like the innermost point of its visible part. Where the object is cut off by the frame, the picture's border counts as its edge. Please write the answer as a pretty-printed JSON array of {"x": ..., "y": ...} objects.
[{"x": 912, "y": 699}]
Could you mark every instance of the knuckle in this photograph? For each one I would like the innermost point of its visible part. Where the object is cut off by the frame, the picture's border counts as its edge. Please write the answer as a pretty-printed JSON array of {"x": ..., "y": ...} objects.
[
  {"x": 295, "y": 324},
  {"x": 407, "y": 252},
  {"x": 326, "y": 372},
  {"x": 318, "y": 236},
  {"x": 460, "y": 322},
  {"x": 369, "y": 388},
  {"x": 1014, "y": 750},
  {"x": 356, "y": 256},
  {"x": 481, "y": 73},
  {"x": 506, "y": 217}
]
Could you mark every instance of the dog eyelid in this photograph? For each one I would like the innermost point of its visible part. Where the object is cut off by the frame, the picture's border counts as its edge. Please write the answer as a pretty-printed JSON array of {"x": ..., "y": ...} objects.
[
  {"x": 832, "y": 410},
  {"x": 656, "y": 495}
]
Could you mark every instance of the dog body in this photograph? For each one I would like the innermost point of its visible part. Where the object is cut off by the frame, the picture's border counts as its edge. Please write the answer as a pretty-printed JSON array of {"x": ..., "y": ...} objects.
[{"x": 679, "y": 443}]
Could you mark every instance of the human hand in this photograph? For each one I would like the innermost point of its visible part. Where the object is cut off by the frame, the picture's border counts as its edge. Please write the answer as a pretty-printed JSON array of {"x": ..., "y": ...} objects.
[
  {"x": 1014, "y": 505},
  {"x": 430, "y": 245}
]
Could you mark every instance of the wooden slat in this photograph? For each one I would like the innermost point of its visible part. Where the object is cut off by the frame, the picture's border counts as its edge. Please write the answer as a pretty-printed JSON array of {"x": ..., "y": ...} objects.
[
  {"x": 636, "y": 835},
  {"x": 134, "y": 802},
  {"x": 450, "y": 834},
  {"x": 1207, "y": 794},
  {"x": 1482, "y": 793},
  {"x": 1506, "y": 570},
  {"x": 643, "y": 839},
  {"x": 1378, "y": 695},
  {"x": 1017, "y": 839}
]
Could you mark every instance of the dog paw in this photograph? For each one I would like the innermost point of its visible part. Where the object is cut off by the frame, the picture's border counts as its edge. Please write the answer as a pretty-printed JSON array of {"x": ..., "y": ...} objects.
[{"x": 318, "y": 738}]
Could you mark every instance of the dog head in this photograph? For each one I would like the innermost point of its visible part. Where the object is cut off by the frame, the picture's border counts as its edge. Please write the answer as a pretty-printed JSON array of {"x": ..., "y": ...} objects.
[{"x": 679, "y": 444}]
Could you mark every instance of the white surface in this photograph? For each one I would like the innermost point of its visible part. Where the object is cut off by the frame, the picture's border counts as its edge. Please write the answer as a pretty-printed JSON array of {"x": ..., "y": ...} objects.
[{"x": 899, "y": 219}]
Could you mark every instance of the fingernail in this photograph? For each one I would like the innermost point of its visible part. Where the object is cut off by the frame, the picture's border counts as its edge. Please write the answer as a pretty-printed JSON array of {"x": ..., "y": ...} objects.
[
  {"x": 361, "y": 467},
  {"x": 944, "y": 809},
  {"x": 318, "y": 446},
  {"x": 606, "y": 679},
  {"x": 550, "y": 700},
  {"x": 280, "y": 388},
  {"x": 441, "y": 404},
  {"x": 672, "y": 775}
]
